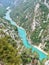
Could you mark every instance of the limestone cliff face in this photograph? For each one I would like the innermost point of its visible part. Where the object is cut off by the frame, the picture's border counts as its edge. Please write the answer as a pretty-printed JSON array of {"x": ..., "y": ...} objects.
[{"x": 33, "y": 16}]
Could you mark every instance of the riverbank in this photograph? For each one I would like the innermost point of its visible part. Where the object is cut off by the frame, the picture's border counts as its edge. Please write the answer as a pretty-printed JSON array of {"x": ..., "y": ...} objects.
[{"x": 38, "y": 47}]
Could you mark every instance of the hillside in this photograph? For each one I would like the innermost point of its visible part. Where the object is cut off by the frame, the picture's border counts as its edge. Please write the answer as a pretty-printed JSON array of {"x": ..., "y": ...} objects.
[
  {"x": 9, "y": 41},
  {"x": 24, "y": 38},
  {"x": 33, "y": 16}
]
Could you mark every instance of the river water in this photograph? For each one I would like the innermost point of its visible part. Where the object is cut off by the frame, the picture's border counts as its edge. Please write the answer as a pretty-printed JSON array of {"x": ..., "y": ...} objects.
[{"x": 22, "y": 35}]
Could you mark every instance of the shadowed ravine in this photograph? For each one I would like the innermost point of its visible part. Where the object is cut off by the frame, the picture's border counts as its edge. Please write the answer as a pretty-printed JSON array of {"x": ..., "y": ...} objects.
[{"x": 22, "y": 35}]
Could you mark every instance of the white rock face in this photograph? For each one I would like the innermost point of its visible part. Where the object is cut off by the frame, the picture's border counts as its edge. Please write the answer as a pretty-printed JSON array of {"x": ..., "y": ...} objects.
[
  {"x": 7, "y": 8},
  {"x": 37, "y": 6},
  {"x": 48, "y": 15},
  {"x": 47, "y": 62},
  {"x": 40, "y": 32},
  {"x": 46, "y": 4},
  {"x": 34, "y": 21}
]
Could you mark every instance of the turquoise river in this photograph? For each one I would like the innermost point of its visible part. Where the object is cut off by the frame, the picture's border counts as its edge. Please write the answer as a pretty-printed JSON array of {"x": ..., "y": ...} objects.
[{"x": 22, "y": 35}]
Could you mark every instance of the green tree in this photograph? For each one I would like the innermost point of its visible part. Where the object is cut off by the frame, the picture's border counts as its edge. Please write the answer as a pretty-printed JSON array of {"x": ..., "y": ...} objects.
[{"x": 8, "y": 53}]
